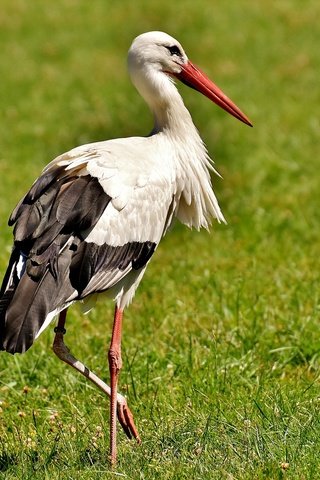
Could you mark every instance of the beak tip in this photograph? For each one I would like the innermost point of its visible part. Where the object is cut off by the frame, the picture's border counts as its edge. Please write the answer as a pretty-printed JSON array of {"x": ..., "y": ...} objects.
[
  {"x": 193, "y": 77},
  {"x": 246, "y": 120}
]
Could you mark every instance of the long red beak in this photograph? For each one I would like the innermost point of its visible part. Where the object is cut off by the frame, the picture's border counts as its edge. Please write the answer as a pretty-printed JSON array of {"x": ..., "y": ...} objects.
[{"x": 193, "y": 77}]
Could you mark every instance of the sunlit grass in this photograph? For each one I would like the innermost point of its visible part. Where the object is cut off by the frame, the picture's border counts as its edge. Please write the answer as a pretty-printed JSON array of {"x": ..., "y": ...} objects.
[{"x": 221, "y": 345}]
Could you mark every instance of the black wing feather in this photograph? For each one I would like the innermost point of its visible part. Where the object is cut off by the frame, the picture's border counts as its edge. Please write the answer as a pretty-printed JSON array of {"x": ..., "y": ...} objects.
[
  {"x": 48, "y": 226},
  {"x": 37, "y": 189},
  {"x": 89, "y": 259}
]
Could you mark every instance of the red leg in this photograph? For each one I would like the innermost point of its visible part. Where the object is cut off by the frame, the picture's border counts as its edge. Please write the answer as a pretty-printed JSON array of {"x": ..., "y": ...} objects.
[
  {"x": 62, "y": 351},
  {"x": 115, "y": 364}
]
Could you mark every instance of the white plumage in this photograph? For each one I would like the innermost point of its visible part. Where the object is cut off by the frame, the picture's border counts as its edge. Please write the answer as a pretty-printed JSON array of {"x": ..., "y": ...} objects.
[{"x": 93, "y": 219}]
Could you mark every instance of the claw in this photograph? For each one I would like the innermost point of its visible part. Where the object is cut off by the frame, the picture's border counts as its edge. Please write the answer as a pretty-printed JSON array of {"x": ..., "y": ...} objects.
[{"x": 125, "y": 418}]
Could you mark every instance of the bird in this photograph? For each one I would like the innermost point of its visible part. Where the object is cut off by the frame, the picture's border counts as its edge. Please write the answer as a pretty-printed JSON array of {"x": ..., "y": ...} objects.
[{"x": 91, "y": 222}]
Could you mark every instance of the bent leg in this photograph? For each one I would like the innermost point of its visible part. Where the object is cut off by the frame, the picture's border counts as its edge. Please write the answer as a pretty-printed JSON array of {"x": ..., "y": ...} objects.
[{"x": 124, "y": 414}]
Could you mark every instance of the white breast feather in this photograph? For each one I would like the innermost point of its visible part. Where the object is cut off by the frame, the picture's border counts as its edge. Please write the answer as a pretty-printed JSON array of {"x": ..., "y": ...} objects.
[{"x": 144, "y": 176}]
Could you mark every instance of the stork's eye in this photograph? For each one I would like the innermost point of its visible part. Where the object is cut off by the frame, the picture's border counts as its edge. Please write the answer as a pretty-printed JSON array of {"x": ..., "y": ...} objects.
[{"x": 174, "y": 50}]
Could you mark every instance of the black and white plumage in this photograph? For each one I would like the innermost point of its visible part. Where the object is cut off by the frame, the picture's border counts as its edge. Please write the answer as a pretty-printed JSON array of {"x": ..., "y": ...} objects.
[
  {"x": 52, "y": 264},
  {"x": 93, "y": 219}
]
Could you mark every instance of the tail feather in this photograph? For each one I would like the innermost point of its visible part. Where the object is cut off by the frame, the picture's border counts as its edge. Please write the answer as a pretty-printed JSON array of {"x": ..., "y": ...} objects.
[
  {"x": 8, "y": 288},
  {"x": 20, "y": 321}
]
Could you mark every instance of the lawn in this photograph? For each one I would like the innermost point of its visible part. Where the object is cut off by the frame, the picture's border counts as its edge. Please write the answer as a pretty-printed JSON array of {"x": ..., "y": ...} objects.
[{"x": 221, "y": 345}]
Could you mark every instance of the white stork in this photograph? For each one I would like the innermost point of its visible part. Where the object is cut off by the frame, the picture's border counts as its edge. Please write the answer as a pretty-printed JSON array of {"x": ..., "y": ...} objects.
[{"x": 92, "y": 220}]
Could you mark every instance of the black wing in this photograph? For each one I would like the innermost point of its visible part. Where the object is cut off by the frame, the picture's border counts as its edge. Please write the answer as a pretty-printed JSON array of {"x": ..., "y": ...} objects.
[{"x": 50, "y": 261}]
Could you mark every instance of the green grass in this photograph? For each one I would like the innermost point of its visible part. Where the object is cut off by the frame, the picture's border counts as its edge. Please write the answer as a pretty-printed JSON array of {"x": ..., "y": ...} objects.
[{"x": 221, "y": 345}]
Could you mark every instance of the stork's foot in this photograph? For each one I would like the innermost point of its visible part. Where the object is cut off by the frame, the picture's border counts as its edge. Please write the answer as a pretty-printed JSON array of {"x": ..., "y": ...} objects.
[{"x": 125, "y": 418}]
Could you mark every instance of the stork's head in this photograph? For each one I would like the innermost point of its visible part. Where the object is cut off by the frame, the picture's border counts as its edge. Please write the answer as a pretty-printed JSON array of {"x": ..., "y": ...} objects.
[
  {"x": 154, "y": 52},
  {"x": 157, "y": 50}
]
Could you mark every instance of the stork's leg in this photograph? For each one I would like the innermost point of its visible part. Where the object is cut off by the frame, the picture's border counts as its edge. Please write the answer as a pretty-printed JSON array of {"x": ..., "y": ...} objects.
[
  {"x": 115, "y": 364},
  {"x": 62, "y": 351}
]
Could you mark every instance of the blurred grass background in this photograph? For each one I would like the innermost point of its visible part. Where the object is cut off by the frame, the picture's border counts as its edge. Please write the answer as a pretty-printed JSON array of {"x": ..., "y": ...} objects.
[{"x": 221, "y": 345}]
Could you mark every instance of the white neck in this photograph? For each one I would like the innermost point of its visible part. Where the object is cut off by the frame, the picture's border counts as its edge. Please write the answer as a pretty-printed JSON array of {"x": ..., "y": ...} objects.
[
  {"x": 164, "y": 101},
  {"x": 197, "y": 203}
]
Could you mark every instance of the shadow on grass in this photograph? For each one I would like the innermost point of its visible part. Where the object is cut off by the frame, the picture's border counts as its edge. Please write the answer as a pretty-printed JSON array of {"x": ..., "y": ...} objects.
[{"x": 7, "y": 460}]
